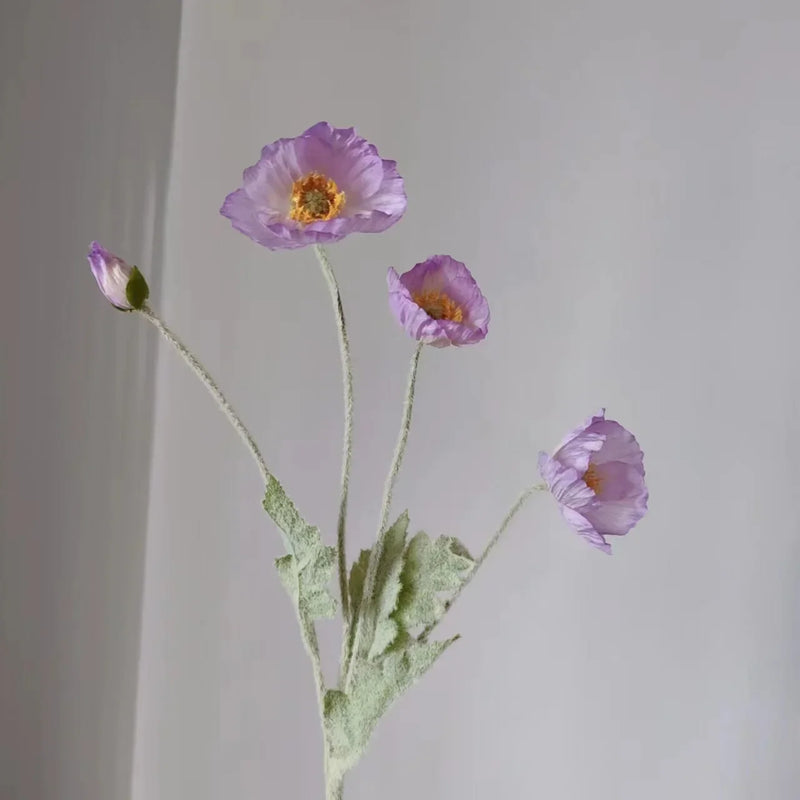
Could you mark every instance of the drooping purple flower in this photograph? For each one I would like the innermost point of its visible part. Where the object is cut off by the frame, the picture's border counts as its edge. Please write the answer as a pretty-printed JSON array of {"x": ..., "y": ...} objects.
[
  {"x": 316, "y": 188},
  {"x": 439, "y": 303},
  {"x": 597, "y": 477},
  {"x": 122, "y": 285}
]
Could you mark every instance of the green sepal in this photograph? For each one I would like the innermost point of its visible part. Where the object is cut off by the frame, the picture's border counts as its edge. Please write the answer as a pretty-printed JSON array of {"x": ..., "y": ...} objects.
[{"x": 136, "y": 290}]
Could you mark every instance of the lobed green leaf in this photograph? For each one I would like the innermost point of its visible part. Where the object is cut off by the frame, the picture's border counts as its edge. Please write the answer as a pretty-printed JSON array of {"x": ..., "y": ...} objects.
[
  {"x": 307, "y": 570},
  {"x": 351, "y": 718},
  {"x": 412, "y": 582},
  {"x": 432, "y": 570}
]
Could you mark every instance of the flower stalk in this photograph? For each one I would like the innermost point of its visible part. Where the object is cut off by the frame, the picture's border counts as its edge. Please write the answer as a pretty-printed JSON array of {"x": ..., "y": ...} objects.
[
  {"x": 347, "y": 443},
  {"x": 201, "y": 372},
  {"x": 386, "y": 505},
  {"x": 402, "y": 439},
  {"x": 307, "y": 629},
  {"x": 334, "y": 785},
  {"x": 512, "y": 512}
]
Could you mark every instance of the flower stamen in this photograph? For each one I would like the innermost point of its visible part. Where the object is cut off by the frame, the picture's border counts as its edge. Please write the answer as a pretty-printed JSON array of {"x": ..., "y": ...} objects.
[
  {"x": 593, "y": 479},
  {"x": 439, "y": 306},
  {"x": 315, "y": 198}
]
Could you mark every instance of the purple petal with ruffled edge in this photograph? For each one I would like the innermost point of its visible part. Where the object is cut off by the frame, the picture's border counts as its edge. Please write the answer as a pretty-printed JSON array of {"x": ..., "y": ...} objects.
[
  {"x": 375, "y": 197},
  {"x": 604, "y": 454},
  {"x": 444, "y": 276},
  {"x": 112, "y": 275}
]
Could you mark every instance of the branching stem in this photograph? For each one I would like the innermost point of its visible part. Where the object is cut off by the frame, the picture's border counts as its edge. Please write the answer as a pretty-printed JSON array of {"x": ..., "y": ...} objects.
[
  {"x": 521, "y": 500},
  {"x": 201, "y": 372},
  {"x": 388, "y": 491}
]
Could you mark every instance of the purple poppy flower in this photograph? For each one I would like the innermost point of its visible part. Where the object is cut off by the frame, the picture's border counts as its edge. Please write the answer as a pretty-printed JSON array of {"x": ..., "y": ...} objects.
[
  {"x": 597, "y": 477},
  {"x": 438, "y": 302},
  {"x": 316, "y": 188},
  {"x": 123, "y": 286}
]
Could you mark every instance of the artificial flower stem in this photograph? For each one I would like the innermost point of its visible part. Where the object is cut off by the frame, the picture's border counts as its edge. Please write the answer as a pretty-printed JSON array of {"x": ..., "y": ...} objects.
[
  {"x": 194, "y": 364},
  {"x": 309, "y": 634},
  {"x": 521, "y": 500},
  {"x": 307, "y": 629},
  {"x": 334, "y": 786},
  {"x": 347, "y": 444},
  {"x": 388, "y": 491},
  {"x": 402, "y": 439}
]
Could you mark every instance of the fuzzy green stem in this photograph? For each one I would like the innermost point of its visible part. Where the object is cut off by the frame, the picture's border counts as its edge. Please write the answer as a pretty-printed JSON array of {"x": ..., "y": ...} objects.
[
  {"x": 201, "y": 372},
  {"x": 307, "y": 630},
  {"x": 334, "y": 786},
  {"x": 402, "y": 439},
  {"x": 309, "y": 634},
  {"x": 520, "y": 502},
  {"x": 347, "y": 444},
  {"x": 388, "y": 491}
]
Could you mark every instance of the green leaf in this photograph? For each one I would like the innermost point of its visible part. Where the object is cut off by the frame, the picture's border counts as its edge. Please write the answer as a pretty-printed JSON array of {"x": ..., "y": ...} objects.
[
  {"x": 351, "y": 718},
  {"x": 358, "y": 575},
  {"x": 387, "y": 586},
  {"x": 432, "y": 569},
  {"x": 307, "y": 570},
  {"x": 412, "y": 580},
  {"x": 136, "y": 290},
  {"x": 379, "y": 630}
]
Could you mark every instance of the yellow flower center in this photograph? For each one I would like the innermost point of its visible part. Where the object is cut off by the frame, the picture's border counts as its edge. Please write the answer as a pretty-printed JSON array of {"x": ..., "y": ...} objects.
[
  {"x": 439, "y": 306},
  {"x": 315, "y": 197},
  {"x": 592, "y": 479}
]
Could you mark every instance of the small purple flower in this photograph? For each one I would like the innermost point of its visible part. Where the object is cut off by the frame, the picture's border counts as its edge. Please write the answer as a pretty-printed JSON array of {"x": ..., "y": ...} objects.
[
  {"x": 316, "y": 188},
  {"x": 597, "y": 477},
  {"x": 123, "y": 286},
  {"x": 439, "y": 303}
]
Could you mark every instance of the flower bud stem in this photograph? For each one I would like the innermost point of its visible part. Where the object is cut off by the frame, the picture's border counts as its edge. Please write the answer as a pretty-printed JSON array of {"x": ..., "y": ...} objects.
[
  {"x": 307, "y": 628},
  {"x": 194, "y": 364},
  {"x": 521, "y": 500}
]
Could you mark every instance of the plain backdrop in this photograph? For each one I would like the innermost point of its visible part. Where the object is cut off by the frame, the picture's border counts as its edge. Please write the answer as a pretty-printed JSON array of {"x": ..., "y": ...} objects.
[
  {"x": 86, "y": 110},
  {"x": 623, "y": 179}
]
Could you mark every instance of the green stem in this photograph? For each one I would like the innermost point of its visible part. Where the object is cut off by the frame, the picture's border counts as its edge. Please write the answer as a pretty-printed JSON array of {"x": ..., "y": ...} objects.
[
  {"x": 388, "y": 491},
  {"x": 307, "y": 630},
  {"x": 402, "y": 439},
  {"x": 201, "y": 372},
  {"x": 347, "y": 444},
  {"x": 334, "y": 786},
  {"x": 520, "y": 502},
  {"x": 309, "y": 634}
]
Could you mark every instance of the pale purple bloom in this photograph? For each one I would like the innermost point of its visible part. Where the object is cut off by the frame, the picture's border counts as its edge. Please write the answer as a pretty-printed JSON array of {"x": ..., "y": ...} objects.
[
  {"x": 439, "y": 303},
  {"x": 597, "y": 477},
  {"x": 316, "y": 188},
  {"x": 122, "y": 285}
]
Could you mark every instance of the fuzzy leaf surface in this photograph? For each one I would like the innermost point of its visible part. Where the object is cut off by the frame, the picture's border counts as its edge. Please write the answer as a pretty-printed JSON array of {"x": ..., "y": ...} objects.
[
  {"x": 307, "y": 569},
  {"x": 351, "y": 718},
  {"x": 433, "y": 569}
]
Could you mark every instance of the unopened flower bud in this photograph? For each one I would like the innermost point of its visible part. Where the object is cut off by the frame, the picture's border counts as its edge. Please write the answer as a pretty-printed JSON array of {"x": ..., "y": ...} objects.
[{"x": 122, "y": 285}]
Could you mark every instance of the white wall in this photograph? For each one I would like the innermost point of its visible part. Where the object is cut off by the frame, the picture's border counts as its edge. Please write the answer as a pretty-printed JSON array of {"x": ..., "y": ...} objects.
[
  {"x": 623, "y": 178},
  {"x": 86, "y": 107}
]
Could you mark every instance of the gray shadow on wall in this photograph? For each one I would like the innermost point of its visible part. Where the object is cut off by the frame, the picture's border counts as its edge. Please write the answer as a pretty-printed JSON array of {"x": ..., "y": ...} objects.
[{"x": 87, "y": 91}]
